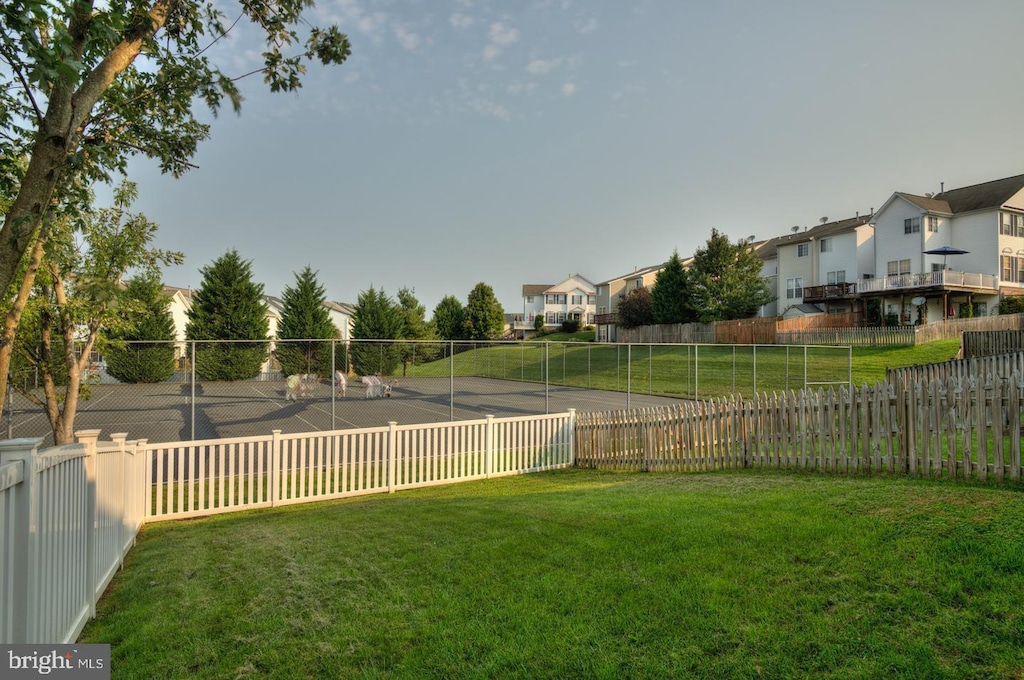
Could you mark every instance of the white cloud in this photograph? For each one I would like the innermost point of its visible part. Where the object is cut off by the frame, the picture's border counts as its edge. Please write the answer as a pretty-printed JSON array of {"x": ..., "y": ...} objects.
[
  {"x": 502, "y": 35},
  {"x": 407, "y": 39},
  {"x": 491, "y": 52},
  {"x": 460, "y": 21},
  {"x": 588, "y": 26},
  {"x": 539, "y": 67},
  {"x": 490, "y": 108},
  {"x": 569, "y": 89},
  {"x": 369, "y": 24},
  {"x": 520, "y": 88}
]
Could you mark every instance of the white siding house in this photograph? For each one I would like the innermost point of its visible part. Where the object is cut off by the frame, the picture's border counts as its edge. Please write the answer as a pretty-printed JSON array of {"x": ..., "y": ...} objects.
[{"x": 573, "y": 298}]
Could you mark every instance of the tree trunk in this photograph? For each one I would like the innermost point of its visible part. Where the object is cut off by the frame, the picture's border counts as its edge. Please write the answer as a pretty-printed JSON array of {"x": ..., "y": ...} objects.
[{"x": 55, "y": 143}]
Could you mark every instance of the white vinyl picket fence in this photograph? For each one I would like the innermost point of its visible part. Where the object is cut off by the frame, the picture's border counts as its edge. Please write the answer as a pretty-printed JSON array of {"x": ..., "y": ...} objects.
[{"x": 69, "y": 515}]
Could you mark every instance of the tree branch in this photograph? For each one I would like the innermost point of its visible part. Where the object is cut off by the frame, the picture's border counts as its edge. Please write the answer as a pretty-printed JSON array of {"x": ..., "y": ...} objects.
[{"x": 16, "y": 65}]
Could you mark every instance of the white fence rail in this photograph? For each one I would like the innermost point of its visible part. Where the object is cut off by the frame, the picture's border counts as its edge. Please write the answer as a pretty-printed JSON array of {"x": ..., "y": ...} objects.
[
  {"x": 193, "y": 479},
  {"x": 69, "y": 515}
]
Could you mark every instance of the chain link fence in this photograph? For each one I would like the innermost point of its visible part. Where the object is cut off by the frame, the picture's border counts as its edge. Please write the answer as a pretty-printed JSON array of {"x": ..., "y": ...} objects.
[{"x": 180, "y": 391}]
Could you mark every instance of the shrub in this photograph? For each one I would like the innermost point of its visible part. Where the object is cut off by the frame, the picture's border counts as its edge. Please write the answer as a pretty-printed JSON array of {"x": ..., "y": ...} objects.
[{"x": 1012, "y": 304}]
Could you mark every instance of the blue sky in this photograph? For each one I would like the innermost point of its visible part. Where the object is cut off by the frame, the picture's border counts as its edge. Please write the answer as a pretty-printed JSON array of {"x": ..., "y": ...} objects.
[{"x": 521, "y": 142}]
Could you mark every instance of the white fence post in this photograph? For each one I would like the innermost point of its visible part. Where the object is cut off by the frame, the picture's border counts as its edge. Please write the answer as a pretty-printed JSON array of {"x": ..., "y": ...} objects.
[
  {"x": 120, "y": 438},
  {"x": 392, "y": 454},
  {"x": 488, "y": 446},
  {"x": 24, "y": 601},
  {"x": 88, "y": 438},
  {"x": 572, "y": 436},
  {"x": 272, "y": 468}
]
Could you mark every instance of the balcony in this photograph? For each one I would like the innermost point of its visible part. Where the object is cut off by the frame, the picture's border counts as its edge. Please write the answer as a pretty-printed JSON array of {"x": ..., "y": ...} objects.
[
  {"x": 604, "y": 319},
  {"x": 831, "y": 291},
  {"x": 935, "y": 281}
]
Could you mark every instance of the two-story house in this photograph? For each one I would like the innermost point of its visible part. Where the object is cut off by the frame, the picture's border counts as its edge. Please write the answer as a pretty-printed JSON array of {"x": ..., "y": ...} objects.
[
  {"x": 611, "y": 291},
  {"x": 981, "y": 230},
  {"x": 573, "y": 298},
  {"x": 818, "y": 268}
]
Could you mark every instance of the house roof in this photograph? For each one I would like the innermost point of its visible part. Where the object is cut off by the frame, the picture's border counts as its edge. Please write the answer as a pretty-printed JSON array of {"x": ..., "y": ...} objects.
[
  {"x": 635, "y": 274},
  {"x": 535, "y": 288},
  {"x": 343, "y": 307},
  {"x": 982, "y": 196},
  {"x": 820, "y": 231}
]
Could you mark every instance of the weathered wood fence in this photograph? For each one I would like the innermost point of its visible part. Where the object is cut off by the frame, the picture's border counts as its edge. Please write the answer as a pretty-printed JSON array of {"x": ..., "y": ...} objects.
[
  {"x": 1002, "y": 367},
  {"x": 961, "y": 429},
  {"x": 988, "y": 343},
  {"x": 858, "y": 337}
]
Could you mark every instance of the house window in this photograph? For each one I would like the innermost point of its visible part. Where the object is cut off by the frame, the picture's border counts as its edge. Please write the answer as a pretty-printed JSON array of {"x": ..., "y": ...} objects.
[
  {"x": 577, "y": 299},
  {"x": 898, "y": 267},
  {"x": 590, "y": 319},
  {"x": 838, "y": 276},
  {"x": 803, "y": 250},
  {"x": 912, "y": 225},
  {"x": 602, "y": 310},
  {"x": 529, "y": 299},
  {"x": 794, "y": 288},
  {"x": 1018, "y": 225},
  {"x": 933, "y": 222},
  {"x": 590, "y": 299},
  {"x": 1008, "y": 267},
  {"x": 549, "y": 317},
  {"x": 639, "y": 283},
  {"x": 826, "y": 245},
  {"x": 1006, "y": 224},
  {"x": 561, "y": 317},
  {"x": 980, "y": 309}
]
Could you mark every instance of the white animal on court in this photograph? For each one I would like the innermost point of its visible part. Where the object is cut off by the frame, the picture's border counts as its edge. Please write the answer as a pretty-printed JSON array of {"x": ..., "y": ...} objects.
[
  {"x": 308, "y": 382},
  {"x": 341, "y": 382},
  {"x": 291, "y": 389},
  {"x": 374, "y": 387}
]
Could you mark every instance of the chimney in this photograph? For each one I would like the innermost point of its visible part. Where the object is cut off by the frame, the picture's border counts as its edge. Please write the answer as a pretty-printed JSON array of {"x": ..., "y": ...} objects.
[{"x": 942, "y": 187}]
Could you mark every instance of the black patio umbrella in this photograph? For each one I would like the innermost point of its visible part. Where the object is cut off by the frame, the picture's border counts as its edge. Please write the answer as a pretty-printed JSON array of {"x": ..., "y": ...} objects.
[{"x": 944, "y": 251}]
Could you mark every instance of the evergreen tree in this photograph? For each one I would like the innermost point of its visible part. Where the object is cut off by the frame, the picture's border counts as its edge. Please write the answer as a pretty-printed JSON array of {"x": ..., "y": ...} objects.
[
  {"x": 228, "y": 306},
  {"x": 450, "y": 318},
  {"x": 307, "y": 323},
  {"x": 131, "y": 354},
  {"x": 414, "y": 327},
  {"x": 377, "y": 317},
  {"x": 725, "y": 280},
  {"x": 670, "y": 295},
  {"x": 634, "y": 309},
  {"x": 485, "y": 317}
]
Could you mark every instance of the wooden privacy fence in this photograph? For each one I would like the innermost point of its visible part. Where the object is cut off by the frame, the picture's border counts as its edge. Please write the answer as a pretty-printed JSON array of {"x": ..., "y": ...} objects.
[{"x": 954, "y": 428}]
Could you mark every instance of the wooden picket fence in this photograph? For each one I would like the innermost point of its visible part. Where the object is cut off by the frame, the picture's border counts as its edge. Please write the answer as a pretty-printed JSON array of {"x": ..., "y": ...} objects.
[
  {"x": 977, "y": 368},
  {"x": 989, "y": 343},
  {"x": 960, "y": 429}
]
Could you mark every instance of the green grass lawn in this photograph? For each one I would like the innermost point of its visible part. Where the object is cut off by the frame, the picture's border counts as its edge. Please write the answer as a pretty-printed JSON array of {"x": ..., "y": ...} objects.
[
  {"x": 586, "y": 574},
  {"x": 683, "y": 370}
]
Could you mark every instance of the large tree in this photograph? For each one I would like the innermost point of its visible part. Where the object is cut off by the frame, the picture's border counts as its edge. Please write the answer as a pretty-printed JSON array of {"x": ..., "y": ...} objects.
[
  {"x": 377, "y": 318},
  {"x": 305, "y": 329},
  {"x": 76, "y": 296},
  {"x": 485, "y": 317},
  {"x": 228, "y": 307},
  {"x": 450, "y": 318},
  {"x": 635, "y": 309},
  {"x": 139, "y": 348},
  {"x": 86, "y": 84},
  {"x": 670, "y": 294},
  {"x": 725, "y": 280}
]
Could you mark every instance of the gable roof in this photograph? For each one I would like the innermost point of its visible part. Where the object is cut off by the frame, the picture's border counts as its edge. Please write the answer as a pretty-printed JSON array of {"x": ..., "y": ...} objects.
[
  {"x": 534, "y": 288},
  {"x": 928, "y": 203},
  {"x": 982, "y": 196},
  {"x": 818, "y": 232},
  {"x": 635, "y": 274}
]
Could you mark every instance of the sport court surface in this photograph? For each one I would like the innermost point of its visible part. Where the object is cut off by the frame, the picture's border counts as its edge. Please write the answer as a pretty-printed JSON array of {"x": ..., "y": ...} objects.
[{"x": 164, "y": 412}]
